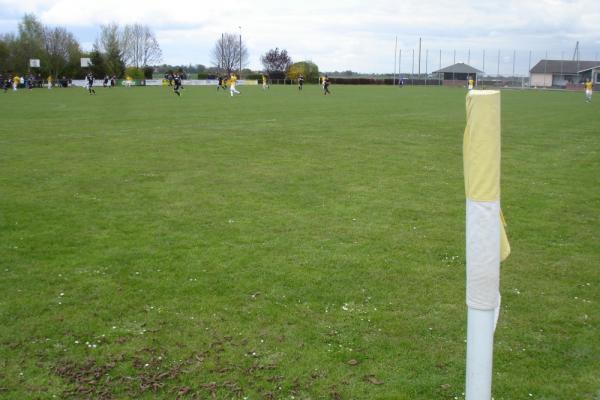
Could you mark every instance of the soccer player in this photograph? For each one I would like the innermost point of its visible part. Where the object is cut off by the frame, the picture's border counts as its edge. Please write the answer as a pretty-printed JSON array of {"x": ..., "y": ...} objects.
[
  {"x": 470, "y": 83},
  {"x": 90, "y": 84},
  {"x": 232, "y": 81},
  {"x": 177, "y": 81},
  {"x": 265, "y": 82},
  {"x": 15, "y": 82},
  {"x": 49, "y": 82},
  {"x": 589, "y": 86},
  {"x": 300, "y": 82},
  {"x": 326, "y": 84},
  {"x": 220, "y": 84}
]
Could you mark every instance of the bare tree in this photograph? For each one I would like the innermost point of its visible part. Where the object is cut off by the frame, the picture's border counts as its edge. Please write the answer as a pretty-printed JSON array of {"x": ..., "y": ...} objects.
[
  {"x": 276, "y": 62},
  {"x": 140, "y": 47},
  {"x": 229, "y": 53}
]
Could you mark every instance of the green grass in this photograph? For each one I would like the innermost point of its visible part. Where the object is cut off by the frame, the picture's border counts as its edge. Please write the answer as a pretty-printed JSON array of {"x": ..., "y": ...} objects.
[{"x": 250, "y": 247}]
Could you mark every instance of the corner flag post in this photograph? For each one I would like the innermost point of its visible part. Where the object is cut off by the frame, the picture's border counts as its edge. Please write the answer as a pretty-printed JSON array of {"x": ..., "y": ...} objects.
[{"x": 486, "y": 242}]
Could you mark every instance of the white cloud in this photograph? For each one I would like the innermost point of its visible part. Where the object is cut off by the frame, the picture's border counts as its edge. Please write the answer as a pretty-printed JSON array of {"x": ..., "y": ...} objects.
[{"x": 338, "y": 34}]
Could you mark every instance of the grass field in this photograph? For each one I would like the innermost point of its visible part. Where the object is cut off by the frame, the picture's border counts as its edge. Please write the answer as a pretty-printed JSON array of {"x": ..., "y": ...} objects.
[{"x": 287, "y": 245}]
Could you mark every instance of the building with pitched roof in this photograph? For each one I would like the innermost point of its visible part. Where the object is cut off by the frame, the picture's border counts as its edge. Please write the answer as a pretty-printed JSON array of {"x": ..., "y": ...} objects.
[
  {"x": 458, "y": 74},
  {"x": 562, "y": 73}
]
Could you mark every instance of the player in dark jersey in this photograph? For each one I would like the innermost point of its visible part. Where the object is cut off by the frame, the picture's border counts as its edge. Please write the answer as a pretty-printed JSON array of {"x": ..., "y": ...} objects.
[
  {"x": 90, "y": 83},
  {"x": 177, "y": 82},
  {"x": 326, "y": 84},
  {"x": 222, "y": 84},
  {"x": 300, "y": 82}
]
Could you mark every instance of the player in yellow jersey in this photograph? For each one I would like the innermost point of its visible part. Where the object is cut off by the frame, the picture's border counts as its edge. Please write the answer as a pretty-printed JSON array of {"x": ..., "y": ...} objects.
[
  {"x": 16, "y": 81},
  {"x": 232, "y": 82},
  {"x": 49, "y": 82},
  {"x": 589, "y": 87},
  {"x": 471, "y": 83},
  {"x": 265, "y": 82}
]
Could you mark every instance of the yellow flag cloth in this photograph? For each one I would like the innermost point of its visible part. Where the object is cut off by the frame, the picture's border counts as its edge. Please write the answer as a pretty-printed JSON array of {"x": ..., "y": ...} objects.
[{"x": 482, "y": 153}]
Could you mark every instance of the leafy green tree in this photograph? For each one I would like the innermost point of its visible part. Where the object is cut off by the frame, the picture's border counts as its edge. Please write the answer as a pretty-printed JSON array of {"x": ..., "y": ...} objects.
[
  {"x": 62, "y": 50},
  {"x": 109, "y": 44},
  {"x": 98, "y": 68},
  {"x": 306, "y": 68},
  {"x": 7, "y": 52},
  {"x": 30, "y": 43}
]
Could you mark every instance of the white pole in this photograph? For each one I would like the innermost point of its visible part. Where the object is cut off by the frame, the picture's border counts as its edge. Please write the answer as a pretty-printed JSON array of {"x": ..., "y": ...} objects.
[
  {"x": 480, "y": 349},
  {"x": 399, "y": 64},
  {"x": 395, "y": 59}
]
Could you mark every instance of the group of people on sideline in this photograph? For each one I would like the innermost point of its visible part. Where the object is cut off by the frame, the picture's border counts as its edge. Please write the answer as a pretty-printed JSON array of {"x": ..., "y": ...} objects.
[{"x": 15, "y": 82}]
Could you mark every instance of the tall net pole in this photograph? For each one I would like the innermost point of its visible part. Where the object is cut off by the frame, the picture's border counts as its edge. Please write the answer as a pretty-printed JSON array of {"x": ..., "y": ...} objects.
[
  {"x": 440, "y": 73},
  {"x": 483, "y": 62},
  {"x": 529, "y": 68},
  {"x": 412, "y": 74},
  {"x": 498, "y": 70},
  {"x": 395, "y": 54},
  {"x": 426, "y": 64},
  {"x": 419, "y": 58}
]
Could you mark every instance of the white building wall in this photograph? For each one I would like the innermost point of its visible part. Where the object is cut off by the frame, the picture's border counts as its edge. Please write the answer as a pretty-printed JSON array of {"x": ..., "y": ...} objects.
[{"x": 541, "y": 80}]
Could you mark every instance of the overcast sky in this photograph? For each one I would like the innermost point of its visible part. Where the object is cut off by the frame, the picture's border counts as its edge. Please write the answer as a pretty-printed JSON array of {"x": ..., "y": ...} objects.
[{"x": 342, "y": 34}]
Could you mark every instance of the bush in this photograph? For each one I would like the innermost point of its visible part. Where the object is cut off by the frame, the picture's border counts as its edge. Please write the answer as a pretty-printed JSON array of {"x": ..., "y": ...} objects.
[
  {"x": 203, "y": 75},
  {"x": 148, "y": 72},
  {"x": 253, "y": 77},
  {"x": 134, "y": 73},
  {"x": 306, "y": 68}
]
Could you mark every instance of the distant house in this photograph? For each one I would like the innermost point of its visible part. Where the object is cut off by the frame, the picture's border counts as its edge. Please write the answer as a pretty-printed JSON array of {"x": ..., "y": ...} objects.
[
  {"x": 562, "y": 73},
  {"x": 458, "y": 74}
]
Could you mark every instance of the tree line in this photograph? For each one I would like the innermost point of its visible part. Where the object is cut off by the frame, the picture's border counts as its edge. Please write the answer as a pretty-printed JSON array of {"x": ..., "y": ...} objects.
[
  {"x": 60, "y": 53},
  {"x": 130, "y": 50}
]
